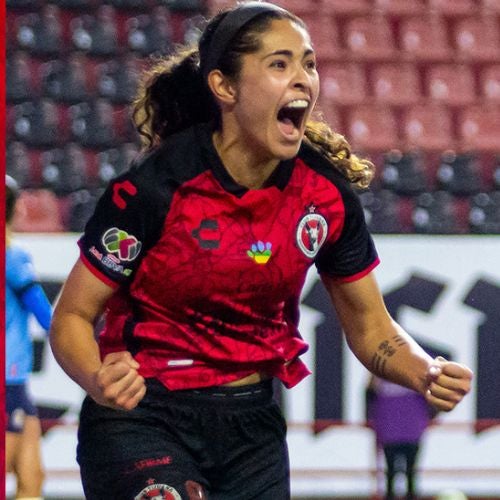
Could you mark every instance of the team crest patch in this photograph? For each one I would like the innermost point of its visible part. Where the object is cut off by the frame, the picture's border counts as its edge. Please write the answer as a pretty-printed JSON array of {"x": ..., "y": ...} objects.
[
  {"x": 311, "y": 232},
  {"x": 158, "y": 492}
]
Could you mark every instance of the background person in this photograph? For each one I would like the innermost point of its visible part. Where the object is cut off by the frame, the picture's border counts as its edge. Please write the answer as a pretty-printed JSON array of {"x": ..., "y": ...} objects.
[
  {"x": 197, "y": 256},
  {"x": 399, "y": 417},
  {"x": 24, "y": 296}
]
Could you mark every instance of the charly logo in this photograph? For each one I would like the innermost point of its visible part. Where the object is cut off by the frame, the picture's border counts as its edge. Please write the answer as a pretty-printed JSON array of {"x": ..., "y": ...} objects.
[
  {"x": 158, "y": 492},
  {"x": 260, "y": 252},
  {"x": 118, "y": 242},
  {"x": 311, "y": 232}
]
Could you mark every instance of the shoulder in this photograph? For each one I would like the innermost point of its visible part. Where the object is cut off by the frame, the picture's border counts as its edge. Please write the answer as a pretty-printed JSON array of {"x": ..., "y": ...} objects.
[
  {"x": 16, "y": 254},
  {"x": 177, "y": 159},
  {"x": 322, "y": 166}
]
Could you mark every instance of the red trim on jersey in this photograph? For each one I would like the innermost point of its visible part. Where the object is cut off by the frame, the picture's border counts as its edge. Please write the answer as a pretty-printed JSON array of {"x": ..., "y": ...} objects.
[
  {"x": 361, "y": 274},
  {"x": 96, "y": 271}
]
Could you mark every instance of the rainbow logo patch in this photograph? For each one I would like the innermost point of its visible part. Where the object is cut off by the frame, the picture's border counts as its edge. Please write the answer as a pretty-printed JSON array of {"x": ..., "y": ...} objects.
[{"x": 260, "y": 252}]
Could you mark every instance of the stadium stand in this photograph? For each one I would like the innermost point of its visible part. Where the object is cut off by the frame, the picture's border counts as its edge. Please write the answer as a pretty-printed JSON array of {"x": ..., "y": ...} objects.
[{"x": 415, "y": 85}]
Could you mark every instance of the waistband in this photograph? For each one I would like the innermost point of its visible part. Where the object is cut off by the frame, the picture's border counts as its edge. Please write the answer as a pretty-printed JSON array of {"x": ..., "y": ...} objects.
[{"x": 246, "y": 395}]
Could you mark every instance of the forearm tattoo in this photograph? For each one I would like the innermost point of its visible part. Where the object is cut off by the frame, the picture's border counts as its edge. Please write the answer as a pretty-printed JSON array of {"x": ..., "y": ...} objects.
[{"x": 385, "y": 350}]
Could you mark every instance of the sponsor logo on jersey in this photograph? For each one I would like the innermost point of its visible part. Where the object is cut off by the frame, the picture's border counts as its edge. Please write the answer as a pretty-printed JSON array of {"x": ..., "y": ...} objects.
[
  {"x": 311, "y": 232},
  {"x": 207, "y": 234},
  {"x": 158, "y": 492},
  {"x": 118, "y": 242},
  {"x": 260, "y": 252}
]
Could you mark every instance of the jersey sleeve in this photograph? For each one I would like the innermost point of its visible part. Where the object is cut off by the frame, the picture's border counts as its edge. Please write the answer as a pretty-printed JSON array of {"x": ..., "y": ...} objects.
[
  {"x": 122, "y": 228},
  {"x": 353, "y": 254}
]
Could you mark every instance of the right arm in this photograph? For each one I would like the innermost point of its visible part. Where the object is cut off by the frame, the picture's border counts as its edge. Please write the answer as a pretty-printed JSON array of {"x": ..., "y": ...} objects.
[{"x": 112, "y": 382}]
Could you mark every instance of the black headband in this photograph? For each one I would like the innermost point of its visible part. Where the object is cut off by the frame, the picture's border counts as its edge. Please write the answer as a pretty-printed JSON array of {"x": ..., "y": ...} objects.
[{"x": 229, "y": 26}]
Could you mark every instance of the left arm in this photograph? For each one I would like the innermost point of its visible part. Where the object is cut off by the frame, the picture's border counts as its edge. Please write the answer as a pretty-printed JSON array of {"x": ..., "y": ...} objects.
[{"x": 385, "y": 349}]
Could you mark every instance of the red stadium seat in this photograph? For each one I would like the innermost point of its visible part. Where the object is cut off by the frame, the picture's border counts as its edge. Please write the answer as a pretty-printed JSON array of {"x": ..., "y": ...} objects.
[
  {"x": 453, "y": 7},
  {"x": 299, "y": 7},
  {"x": 396, "y": 84},
  {"x": 425, "y": 39},
  {"x": 428, "y": 127},
  {"x": 489, "y": 83},
  {"x": 451, "y": 84},
  {"x": 331, "y": 114},
  {"x": 343, "y": 83},
  {"x": 479, "y": 128},
  {"x": 370, "y": 38},
  {"x": 347, "y": 7},
  {"x": 490, "y": 6},
  {"x": 372, "y": 128},
  {"x": 401, "y": 7},
  {"x": 325, "y": 36},
  {"x": 477, "y": 38}
]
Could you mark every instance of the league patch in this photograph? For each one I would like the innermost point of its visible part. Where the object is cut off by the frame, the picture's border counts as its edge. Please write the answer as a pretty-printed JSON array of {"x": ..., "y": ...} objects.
[
  {"x": 311, "y": 232},
  {"x": 121, "y": 244},
  {"x": 158, "y": 492}
]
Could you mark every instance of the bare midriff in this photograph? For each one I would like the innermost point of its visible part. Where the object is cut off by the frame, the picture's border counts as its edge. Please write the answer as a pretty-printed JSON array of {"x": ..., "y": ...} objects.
[{"x": 253, "y": 378}]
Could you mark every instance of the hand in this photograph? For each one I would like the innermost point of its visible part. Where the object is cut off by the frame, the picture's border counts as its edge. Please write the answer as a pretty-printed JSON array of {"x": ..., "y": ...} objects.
[
  {"x": 449, "y": 382},
  {"x": 117, "y": 384}
]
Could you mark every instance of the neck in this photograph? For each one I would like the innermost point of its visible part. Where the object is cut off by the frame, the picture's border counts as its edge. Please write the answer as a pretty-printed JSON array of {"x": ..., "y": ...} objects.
[{"x": 243, "y": 164}]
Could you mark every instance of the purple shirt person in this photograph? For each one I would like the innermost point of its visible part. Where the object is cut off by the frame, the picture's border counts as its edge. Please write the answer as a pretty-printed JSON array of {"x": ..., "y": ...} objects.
[{"x": 399, "y": 417}]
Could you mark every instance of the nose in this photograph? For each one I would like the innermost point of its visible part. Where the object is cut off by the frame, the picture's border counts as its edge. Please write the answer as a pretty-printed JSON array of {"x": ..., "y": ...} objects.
[{"x": 301, "y": 78}]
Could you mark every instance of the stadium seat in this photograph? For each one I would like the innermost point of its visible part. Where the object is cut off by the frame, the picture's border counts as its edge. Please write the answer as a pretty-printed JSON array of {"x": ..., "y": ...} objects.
[
  {"x": 325, "y": 36},
  {"x": 484, "y": 214},
  {"x": 65, "y": 81},
  {"x": 19, "y": 163},
  {"x": 343, "y": 83},
  {"x": 401, "y": 7},
  {"x": 403, "y": 172},
  {"x": 347, "y": 7},
  {"x": 477, "y": 38},
  {"x": 370, "y": 38},
  {"x": 384, "y": 212},
  {"x": 19, "y": 84},
  {"x": 372, "y": 128},
  {"x": 299, "y": 7},
  {"x": 453, "y": 7},
  {"x": 64, "y": 170},
  {"x": 452, "y": 84},
  {"x": 40, "y": 32},
  {"x": 489, "y": 83},
  {"x": 80, "y": 206},
  {"x": 428, "y": 127},
  {"x": 490, "y": 6},
  {"x": 438, "y": 213},
  {"x": 424, "y": 38},
  {"x": 479, "y": 127},
  {"x": 459, "y": 173},
  {"x": 396, "y": 84}
]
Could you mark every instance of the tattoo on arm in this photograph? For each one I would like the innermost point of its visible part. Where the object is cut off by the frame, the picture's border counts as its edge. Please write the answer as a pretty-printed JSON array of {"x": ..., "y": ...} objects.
[{"x": 385, "y": 350}]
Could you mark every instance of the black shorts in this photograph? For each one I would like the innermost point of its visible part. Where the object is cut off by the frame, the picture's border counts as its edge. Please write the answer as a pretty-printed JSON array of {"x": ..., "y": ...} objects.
[
  {"x": 18, "y": 406},
  {"x": 222, "y": 443}
]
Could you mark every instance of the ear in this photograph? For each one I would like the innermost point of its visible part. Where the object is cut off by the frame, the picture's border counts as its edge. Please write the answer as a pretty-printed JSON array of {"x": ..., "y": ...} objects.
[{"x": 222, "y": 88}]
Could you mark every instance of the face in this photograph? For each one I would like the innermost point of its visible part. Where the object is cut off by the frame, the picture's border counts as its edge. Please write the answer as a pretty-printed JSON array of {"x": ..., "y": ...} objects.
[{"x": 276, "y": 91}]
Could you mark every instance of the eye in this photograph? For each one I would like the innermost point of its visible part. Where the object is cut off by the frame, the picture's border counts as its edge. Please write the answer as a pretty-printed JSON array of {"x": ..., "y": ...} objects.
[
  {"x": 311, "y": 64},
  {"x": 279, "y": 63}
]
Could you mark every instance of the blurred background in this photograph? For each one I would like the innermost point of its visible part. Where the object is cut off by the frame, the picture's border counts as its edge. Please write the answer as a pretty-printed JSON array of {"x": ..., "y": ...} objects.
[{"x": 414, "y": 85}]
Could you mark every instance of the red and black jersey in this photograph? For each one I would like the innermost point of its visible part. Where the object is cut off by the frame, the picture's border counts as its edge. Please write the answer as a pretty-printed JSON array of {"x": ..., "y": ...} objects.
[{"x": 208, "y": 273}]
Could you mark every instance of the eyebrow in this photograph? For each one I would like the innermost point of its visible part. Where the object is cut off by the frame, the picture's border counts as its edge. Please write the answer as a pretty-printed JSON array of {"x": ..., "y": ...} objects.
[{"x": 288, "y": 53}]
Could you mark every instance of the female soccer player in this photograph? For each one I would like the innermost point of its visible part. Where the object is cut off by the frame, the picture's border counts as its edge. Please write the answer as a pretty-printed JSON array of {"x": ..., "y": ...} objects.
[{"x": 197, "y": 257}]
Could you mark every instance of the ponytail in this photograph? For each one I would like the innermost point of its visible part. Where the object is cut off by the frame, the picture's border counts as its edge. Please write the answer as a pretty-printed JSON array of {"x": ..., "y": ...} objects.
[
  {"x": 172, "y": 96},
  {"x": 335, "y": 148}
]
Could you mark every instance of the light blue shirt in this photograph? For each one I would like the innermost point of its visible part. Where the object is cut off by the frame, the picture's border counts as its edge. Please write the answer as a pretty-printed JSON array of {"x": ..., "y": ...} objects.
[{"x": 23, "y": 296}]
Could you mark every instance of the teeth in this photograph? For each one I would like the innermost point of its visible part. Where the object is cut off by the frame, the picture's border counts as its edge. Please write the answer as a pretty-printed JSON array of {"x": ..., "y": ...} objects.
[{"x": 297, "y": 104}]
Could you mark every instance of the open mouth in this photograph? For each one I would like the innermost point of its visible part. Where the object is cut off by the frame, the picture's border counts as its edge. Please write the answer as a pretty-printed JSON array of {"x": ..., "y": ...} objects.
[{"x": 291, "y": 117}]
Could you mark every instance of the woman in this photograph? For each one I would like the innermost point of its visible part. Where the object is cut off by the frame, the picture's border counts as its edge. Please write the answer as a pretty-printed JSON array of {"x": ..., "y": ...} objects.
[
  {"x": 197, "y": 257},
  {"x": 24, "y": 296}
]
